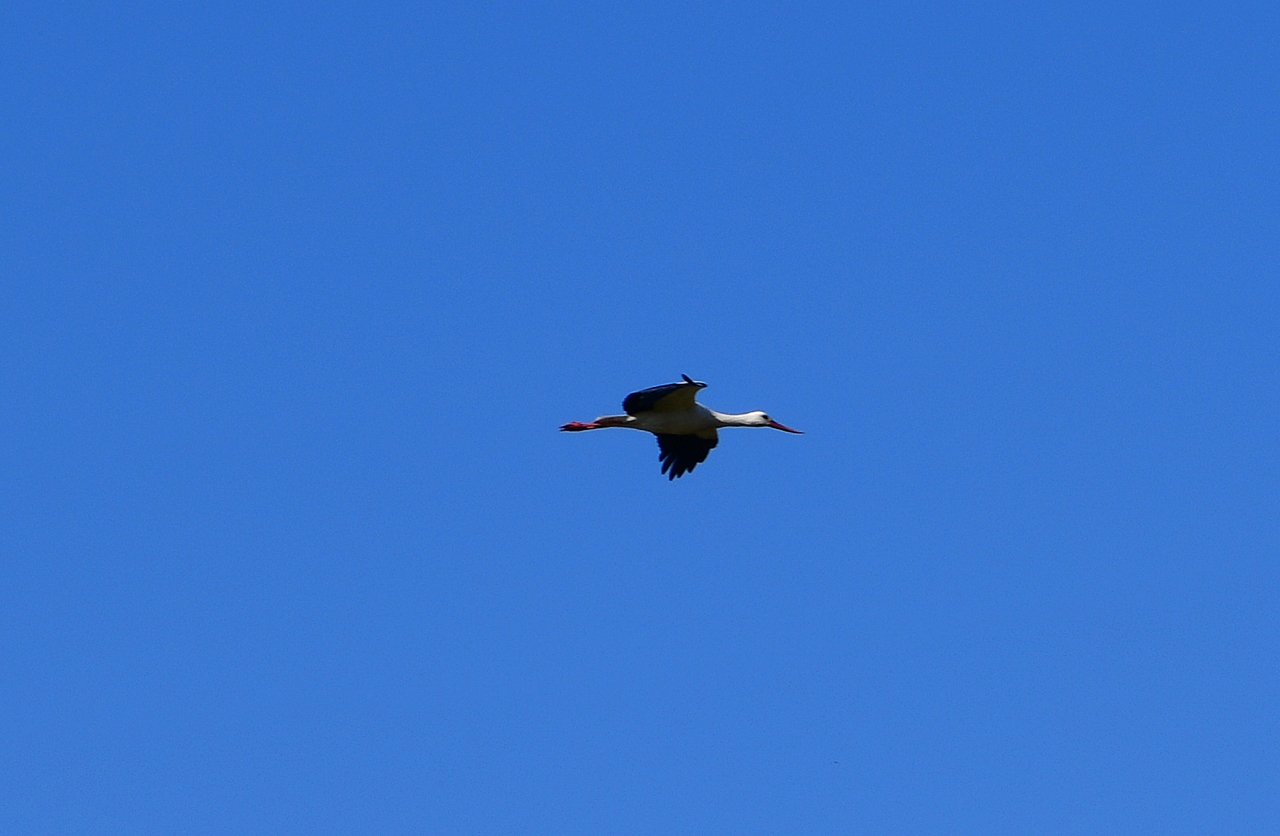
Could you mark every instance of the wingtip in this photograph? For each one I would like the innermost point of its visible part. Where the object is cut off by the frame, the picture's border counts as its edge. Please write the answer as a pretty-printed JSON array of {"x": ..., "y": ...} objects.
[{"x": 693, "y": 382}]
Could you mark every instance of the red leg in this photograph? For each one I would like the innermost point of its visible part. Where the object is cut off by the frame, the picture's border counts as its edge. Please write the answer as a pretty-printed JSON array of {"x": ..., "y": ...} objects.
[{"x": 576, "y": 426}]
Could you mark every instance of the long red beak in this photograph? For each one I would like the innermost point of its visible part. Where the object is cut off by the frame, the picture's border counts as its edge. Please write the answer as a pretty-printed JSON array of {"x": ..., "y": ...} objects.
[{"x": 778, "y": 426}]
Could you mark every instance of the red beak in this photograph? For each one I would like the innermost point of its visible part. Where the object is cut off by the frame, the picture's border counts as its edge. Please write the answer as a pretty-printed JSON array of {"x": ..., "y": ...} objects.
[{"x": 778, "y": 426}]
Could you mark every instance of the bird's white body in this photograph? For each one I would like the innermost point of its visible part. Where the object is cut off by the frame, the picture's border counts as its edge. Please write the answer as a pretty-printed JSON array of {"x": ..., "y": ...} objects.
[{"x": 692, "y": 421}]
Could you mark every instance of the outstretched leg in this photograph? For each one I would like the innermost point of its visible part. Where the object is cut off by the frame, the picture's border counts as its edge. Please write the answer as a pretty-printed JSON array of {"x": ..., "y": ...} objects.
[{"x": 599, "y": 424}]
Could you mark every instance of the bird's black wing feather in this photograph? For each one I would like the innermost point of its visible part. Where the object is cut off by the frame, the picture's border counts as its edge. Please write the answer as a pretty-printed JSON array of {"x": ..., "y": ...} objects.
[
  {"x": 653, "y": 399},
  {"x": 680, "y": 454}
]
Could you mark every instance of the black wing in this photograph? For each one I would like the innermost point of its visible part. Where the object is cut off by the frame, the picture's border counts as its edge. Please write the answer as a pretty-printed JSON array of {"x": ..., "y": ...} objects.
[
  {"x": 670, "y": 396},
  {"x": 680, "y": 454}
]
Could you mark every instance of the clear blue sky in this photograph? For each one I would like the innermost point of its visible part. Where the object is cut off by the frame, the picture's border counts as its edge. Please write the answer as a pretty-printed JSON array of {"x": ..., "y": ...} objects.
[{"x": 295, "y": 296}]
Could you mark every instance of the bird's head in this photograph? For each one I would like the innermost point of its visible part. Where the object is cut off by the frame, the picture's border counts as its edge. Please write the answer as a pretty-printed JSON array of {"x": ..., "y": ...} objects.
[{"x": 760, "y": 419}]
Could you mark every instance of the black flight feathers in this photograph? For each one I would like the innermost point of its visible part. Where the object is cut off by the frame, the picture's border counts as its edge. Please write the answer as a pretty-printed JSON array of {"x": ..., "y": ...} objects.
[
  {"x": 648, "y": 399},
  {"x": 680, "y": 454}
]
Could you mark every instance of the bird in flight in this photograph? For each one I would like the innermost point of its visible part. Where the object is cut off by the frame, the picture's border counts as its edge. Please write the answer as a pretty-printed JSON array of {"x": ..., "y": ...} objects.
[{"x": 686, "y": 429}]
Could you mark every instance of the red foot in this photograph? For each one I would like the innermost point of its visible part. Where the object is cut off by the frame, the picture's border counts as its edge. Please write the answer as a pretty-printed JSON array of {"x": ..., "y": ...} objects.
[{"x": 575, "y": 426}]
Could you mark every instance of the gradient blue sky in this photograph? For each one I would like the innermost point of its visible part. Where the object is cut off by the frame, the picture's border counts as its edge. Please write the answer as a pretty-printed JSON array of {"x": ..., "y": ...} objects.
[{"x": 295, "y": 296}]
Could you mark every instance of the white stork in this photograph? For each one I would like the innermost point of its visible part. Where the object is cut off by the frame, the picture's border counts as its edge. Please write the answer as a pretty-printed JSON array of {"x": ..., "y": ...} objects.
[{"x": 686, "y": 430}]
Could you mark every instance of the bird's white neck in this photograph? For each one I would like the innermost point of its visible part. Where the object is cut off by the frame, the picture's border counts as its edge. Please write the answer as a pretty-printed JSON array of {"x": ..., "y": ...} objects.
[{"x": 746, "y": 419}]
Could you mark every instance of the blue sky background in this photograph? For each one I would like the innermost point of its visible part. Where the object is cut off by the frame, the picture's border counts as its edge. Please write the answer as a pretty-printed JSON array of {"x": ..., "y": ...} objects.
[{"x": 295, "y": 296}]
